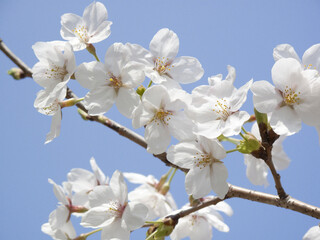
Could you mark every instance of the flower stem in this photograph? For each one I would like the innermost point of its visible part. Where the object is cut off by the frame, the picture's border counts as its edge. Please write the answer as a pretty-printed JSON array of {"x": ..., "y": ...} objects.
[
  {"x": 232, "y": 150},
  {"x": 244, "y": 130},
  {"x": 91, "y": 49},
  {"x": 92, "y": 232},
  {"x": 243, "y": 136},
  {"x": 229, "y": 139},
  {"x": 150, "y": 83},
  {"x": 171, "y": 177}
]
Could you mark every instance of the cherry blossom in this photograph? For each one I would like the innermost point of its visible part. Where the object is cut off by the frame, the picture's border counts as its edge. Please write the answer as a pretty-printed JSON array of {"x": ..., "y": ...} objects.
[
  {"x": 198, "y": 225},
  {"x": 112, "y": 211},
  {"x": 53, "y": 71},
  {"x": 111, "y": 82},
  {"x": 312, "y": 234},
  {"x": 65, "y": 232},
  {"x": 92, "y": 27},
  {"x": 294, "y": 98},
  {"x": 159, "y": 204},
  {"x": 162, "y": 116},
  {"x": 161, "y": 63},
  {"x": 215, "y": 107},
  {"x": 257, "y": 169},
  {"x": 207, "y": 171},
  {"x": 84, "y": 181}
]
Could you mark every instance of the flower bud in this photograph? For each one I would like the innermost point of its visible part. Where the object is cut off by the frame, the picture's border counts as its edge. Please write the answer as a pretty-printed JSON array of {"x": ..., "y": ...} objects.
[
  {"x": 248, "y": 145},
  {"x": 164, "y": 228},
  {"x": 16, "y": 73},
  {"x": 140, "y": 90},
  {"x": 70, "y": 102}
]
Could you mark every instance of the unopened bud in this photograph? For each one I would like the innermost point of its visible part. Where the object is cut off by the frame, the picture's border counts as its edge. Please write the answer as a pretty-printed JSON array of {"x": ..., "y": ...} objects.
[
  {"x": 248, "y": 145},
  {"x": 164, "y": 228},
  {"x": 165, "y": 189},
  {"x": 16, "y": 73},
  {"x": 83, "y": 114},
  {"x": 141, "y": 90},
  {"x": 70, "y": 102}
]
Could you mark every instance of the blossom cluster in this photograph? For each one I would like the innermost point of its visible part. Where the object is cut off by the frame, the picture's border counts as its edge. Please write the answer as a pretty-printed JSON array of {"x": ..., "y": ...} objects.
[{"x": 199, "y": 120}]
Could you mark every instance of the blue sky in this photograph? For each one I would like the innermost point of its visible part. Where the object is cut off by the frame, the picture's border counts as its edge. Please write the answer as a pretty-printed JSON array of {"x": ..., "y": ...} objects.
[{"x": 218, "y": 33}]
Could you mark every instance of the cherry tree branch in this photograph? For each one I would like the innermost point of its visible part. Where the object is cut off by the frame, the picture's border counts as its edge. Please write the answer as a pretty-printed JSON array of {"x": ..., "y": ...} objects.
[
  {"x": 234, "y": 191},
  {"x": 26, "y": 70}
]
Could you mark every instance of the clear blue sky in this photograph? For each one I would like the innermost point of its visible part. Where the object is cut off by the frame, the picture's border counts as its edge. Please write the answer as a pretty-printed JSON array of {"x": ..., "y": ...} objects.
[{"x": 239, "y": 33}]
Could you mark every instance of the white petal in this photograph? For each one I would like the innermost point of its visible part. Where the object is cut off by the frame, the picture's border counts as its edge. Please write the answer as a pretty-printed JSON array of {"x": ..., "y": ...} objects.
[
  {"x": 81, "y": 179},
  {"x": 218, "y": 179},
  {"x": 312, "y": 234},
  {"x": 101, "y": 178},
  {"x": 135, "y": 178},
  {"x": 116, "y": 58},
  {"x": 213, "y": 147},
  {"x": 101, "y": 195},
  {"x": 217, "y": 223},
  {"x": 132, "y": 74},
  {"x": 211, "y": 129},
  {"x": 285, "y": 121},
  {"x": 69, "y": 21},
  {"x": 99, "y": 100},
  {"x": 55, "y": 127},
  {"x": 114, "y": 231},
  {"x": 164, "y": 44},
  {"x": 284, "y": 51},
  {"x": 58, "y": 217},
  {"x": 197, "y": 182},
  {"x": 223, "y": 207},
  {"x": 59, "y": 192},
  {"x": 91, "y": 74},
  {"x": 141, "y": 116},
  {"x": 94, "y": 15},
  {"x": 257, "y": 170},
  {"x": 97, "y": 217},
  {"x": 311, "y": 57},
  {"x": 134, "y": 216},
  {"x": 234, "y": 123},
  {"x": 186, "y": 70},
  {"x": 240, "y": 96},
  {"x": 181, "y": 127},
  {"x": 201, "y": 231},
  {"x": 183, "y": 154},
  {"x": 182, "y": 229},
  {"x": 119, "y": 187},
  {"x": 101, "y": 33},
  {"x": 126, "y": 101},
  {"x": 157, "y": 136},
  {"x": 279, "y": 157},
  {"x": 265, "y": 97},
  {"x": 286, "y": 72}
]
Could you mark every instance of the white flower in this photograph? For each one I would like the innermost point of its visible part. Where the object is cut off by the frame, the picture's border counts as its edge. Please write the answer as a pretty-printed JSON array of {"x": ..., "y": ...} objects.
[
  {"x": 113, "y": 81},
  {"x": 206, "y": 172},
  {"x": 161, "y": 63},
  {"x": 257, "y": 169},
  {"x": 53, "y": 71},
  {"x": 159, "y": 204},
  {"x": 310, "y": 59},
  {"x": 84, "y": 181},
  {"x": 112, "y": 212},
  {"x": 92, "y": 27},
  {"x": 65, "y": 232},
  {"x": 198, "y": 225},
  {"x": 215, "y": 107},
  {"x": 312, "y": 234},
  {"x": 294, "y": 98},
  {"x": 160, "y": 113}
]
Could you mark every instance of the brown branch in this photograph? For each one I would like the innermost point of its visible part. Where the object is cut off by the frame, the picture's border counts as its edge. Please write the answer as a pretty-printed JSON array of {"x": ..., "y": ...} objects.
[
  {"x": 234, "y": 191},
  {"x": 26, "y": 70}
]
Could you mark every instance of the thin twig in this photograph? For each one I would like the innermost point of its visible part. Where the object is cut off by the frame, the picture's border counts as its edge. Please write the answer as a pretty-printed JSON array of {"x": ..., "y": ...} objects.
[
  {"x": 234, "y": 191},
  {"x": 26, "y": 70}
]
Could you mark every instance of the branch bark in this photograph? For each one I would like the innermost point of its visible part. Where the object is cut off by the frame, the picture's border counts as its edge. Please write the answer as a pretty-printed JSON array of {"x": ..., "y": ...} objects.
[{"x": 234, "y": 191}]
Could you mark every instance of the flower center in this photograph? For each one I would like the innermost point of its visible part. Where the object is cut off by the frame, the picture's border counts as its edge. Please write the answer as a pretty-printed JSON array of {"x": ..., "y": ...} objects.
[
  {"x": 115, "y": 209},
  {"x": 162, "y": 65},
  {"x": 290, "y": 96},
  {"x": 82, "y": 33},
  {"x": 115, "y": 82},
  {"x": 162, "y": 117},
  {"x": 202, "y": 160},
  {"x": 222, "y": 109},
  {"x": 56, "y": 72},
  {"x": 52, "y": 108}
]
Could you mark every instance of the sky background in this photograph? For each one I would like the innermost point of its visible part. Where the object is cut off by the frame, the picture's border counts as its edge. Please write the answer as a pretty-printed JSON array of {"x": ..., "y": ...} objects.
[{"x": 218, "y": 33}]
